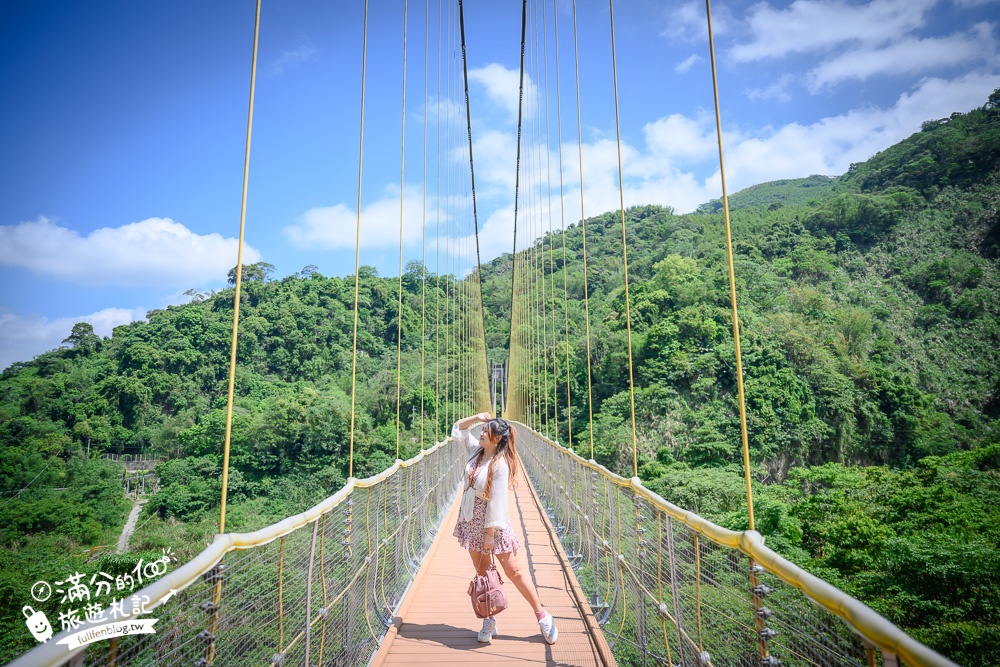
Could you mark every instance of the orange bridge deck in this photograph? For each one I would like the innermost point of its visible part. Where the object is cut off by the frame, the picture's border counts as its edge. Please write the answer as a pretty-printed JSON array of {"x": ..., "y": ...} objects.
[{"x": 436, "y": 624}]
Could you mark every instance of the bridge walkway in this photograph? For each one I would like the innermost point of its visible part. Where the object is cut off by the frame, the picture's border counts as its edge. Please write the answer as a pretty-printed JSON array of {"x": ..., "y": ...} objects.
[{"x": 436, "y": 624}]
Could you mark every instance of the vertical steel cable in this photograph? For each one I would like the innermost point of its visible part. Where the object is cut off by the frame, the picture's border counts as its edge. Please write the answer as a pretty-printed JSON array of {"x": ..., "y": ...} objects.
[
  {"x": 239, "y": 278},
  {"x": 621, "y": 195},
  {"x": 583, "y": 229},
  {"x": 437, "y": 250},
  {"x": 357, "y": 241},
  {"x": 543, "y": 383},
  {"x": 552, "y": 271},
  {"x": 732, "y": 274},
  {"x": 472, "y": 174},
  {"x": 231, "y": 390},
  {"x": 530, "y": 285},
  {"x": 322, "y": 576},
  {"x": 562, "y": 219},
  {"x": 762, "y": 647},
  {"x": 659, "y": 583},
  {"x": 447, "y": 244},
  {"x": 515, "y": 371},
  {"x": 402, "y": 187},
  {"x": 423, "y": 235}
]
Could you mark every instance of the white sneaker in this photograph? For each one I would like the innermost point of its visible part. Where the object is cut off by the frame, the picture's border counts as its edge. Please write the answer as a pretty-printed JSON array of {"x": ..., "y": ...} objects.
[
  {"x": 489, "y": 630},
  {"x": 548, "y": 627}
]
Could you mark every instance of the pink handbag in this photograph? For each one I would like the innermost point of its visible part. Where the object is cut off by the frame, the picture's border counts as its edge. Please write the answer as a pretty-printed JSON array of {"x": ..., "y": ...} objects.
[{"x": 486, "y": 591}]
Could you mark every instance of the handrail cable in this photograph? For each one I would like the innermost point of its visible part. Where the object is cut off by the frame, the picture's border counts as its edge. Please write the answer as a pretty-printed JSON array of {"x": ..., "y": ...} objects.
[
  {"x": 357, "y": 242},
  {"x": 402, "y": 187},
  {"x": 583, "y": 229},
  {"x": 621, "y": 195}
]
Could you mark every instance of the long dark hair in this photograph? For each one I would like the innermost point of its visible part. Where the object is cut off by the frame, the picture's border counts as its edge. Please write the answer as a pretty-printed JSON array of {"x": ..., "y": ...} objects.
[{"x": 505, "y": 435}]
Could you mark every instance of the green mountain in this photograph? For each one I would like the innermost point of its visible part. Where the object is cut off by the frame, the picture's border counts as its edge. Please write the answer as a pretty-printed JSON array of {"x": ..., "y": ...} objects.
[
  {"x": 870, "y": 324},
  {"x": 775, "y": 194},
  {"x": 871, "y": 341}
]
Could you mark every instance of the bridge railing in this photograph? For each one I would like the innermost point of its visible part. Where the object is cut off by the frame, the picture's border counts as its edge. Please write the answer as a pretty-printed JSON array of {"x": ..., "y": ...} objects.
[
  {"x": 670, "y": 588},
  {"x": 317, "y": 587}
]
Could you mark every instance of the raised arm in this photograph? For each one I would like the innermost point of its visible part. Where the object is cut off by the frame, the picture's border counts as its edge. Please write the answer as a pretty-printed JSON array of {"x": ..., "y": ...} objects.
[{"x": 469, "y": 422}]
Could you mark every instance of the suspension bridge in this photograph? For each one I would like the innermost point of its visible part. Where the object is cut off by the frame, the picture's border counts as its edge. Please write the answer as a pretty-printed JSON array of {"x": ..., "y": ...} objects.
[{"x": 371, "y": 575}]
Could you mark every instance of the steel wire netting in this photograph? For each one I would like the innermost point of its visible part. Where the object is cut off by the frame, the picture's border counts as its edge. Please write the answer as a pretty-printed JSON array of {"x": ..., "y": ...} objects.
[
  {"x": 665, "y": 594},
  {"x": 328, "y": 587}
]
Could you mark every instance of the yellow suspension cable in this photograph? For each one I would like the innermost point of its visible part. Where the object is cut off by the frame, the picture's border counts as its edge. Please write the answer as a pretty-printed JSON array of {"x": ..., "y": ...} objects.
[
  {"x": 239, "y": 278},
  {"x": 449, "y": 257},
  {"x": 402, "y": 186},
  {"x": 540, "y": 257},
  {"x": 437, "y": 254},
  {"x": 530, "y": 284},
  {"x": 423, "y": 235},
  {"x": 583, "y": 230},
  {"x": 562, "y": 219},
  {"x": 732, "y": 275},
  {"x": 621, "y": 195},
  {"x": 231, "y": 390},
  {"x": 552, "y": 274},
  {"x": 357, "y": 241}
]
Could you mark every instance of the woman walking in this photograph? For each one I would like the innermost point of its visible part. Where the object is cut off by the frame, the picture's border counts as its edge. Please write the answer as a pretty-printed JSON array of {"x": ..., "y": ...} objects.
[{"x": 483, "y": 525}]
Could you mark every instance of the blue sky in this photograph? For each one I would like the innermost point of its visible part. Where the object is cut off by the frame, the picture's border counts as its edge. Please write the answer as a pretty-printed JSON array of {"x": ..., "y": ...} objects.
[{"x": 122, "y": 134}]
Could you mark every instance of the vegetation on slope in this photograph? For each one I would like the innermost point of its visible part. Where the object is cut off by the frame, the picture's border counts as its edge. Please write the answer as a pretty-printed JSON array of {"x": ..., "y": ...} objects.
[{"x": 871, "y": 341}]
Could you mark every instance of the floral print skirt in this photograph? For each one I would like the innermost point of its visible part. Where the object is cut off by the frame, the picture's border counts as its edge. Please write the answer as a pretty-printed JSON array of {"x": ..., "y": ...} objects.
[{"x": 471, "y": 534}]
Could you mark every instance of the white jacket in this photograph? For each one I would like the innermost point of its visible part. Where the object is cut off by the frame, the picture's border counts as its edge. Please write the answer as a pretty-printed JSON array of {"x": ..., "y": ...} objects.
[{"x": 496, "y": 506}]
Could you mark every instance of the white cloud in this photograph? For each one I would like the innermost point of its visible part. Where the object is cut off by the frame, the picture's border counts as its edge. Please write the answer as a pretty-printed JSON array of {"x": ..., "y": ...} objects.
[
  {"x": 22, "y": 338},
  {"x": 677, "y": 166},
  {"x": 300, "y": 54},
  {"x": 908, "y": 56},
  {"x": 503, "y": 87},
  {"x": 830, "y": 145},
  {"x": 495, "y": 153},
  {"x": 439, "y": 107},
  {"x": 777, "y": 91},
  {"x": 154, "y": 252},
  {"x": 819, "y": 25},
  {"x": 679, "y": 138},
  {"x": 332, "y": 227},
  {"x": 688, "y": 23},
  {"x": 686, "y": 64}
]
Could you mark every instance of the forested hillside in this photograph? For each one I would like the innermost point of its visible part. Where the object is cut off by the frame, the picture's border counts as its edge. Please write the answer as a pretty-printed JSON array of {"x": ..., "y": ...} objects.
[
  {"x": 870, "y": 319},
  {"x": 870, "y": 327},
  {"x": 159, "y": 388}
]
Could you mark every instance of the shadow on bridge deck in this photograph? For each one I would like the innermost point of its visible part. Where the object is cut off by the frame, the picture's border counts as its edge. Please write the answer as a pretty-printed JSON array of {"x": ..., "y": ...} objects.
[{"x": 436, "y": 624}]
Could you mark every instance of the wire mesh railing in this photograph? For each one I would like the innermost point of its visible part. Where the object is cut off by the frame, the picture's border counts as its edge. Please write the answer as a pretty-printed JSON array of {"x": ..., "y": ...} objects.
[
  {"x": 670, "y": 588},
  {"x": 320, "y": 587}
]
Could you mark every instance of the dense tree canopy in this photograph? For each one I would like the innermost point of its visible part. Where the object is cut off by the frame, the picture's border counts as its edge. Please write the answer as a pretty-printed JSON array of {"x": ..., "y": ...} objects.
[{"x": 871, "y": 341}]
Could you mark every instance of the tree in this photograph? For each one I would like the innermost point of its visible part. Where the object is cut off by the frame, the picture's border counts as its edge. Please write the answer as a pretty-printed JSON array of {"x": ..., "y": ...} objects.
[
  {"x": 82, "y": 338},
  {"x": 258, "y": 272}
]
